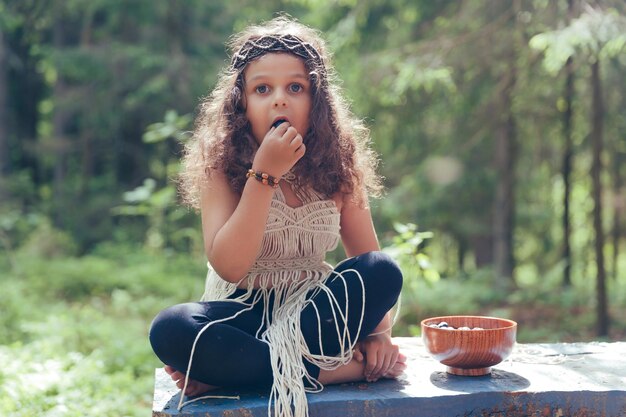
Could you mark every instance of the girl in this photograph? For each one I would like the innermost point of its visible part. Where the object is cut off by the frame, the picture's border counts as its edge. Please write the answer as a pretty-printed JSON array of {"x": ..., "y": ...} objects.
[{"x": 281, "y": 171}]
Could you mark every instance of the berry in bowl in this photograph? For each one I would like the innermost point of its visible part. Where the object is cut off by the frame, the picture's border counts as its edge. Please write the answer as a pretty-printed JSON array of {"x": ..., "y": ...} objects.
[{"x": 469, "y": 345}]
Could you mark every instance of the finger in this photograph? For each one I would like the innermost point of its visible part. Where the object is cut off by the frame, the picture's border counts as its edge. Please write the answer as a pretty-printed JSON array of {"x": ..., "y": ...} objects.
[
  {"x": 390, "y": 360},
  {"x": 300, "y": 151},
  {"x": 290, "y": 134},
  {"x": 399, "y": 366},
  {"x": 401, "y": 357},
  {"x": 382, "y": 364},
  {"x": 380, "y": 359},
  {"x": 396, "y": 370},
  {"x": 372, "y": 359},
  {"x": 389, "y": 357},
  {"x": 357, "y": 355},
  {"x": 296, "y": 142},
  {"x": 393, "y": 359},
  {"x": 387, "y": 364},
  {"x": 281, "y": 128}
]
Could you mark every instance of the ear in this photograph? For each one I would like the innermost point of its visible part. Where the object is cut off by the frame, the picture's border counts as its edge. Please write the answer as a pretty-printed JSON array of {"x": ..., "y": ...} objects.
[
  {"x": 238, "y": 94},
  {"x": 243, "y": 103}
]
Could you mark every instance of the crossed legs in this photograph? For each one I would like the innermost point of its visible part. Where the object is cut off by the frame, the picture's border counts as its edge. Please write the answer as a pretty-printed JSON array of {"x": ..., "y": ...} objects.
[{"x": 228, "y": 354}]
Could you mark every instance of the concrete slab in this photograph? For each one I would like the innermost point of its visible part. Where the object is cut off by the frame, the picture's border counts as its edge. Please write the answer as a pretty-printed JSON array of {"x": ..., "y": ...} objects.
[{"x": 578, "y": 379}]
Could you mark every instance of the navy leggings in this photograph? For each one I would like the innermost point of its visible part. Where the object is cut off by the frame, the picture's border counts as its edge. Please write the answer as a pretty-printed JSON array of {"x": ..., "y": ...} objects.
[{"x": 229, "y": 355}]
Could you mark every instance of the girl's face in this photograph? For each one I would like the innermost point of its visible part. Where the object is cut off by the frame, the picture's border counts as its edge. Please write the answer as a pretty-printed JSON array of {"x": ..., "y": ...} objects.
[{"x": 277, "y": 87}]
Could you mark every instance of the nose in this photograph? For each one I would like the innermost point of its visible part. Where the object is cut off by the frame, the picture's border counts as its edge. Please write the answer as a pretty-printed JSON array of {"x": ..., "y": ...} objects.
[{"x": 280, "y": 98}]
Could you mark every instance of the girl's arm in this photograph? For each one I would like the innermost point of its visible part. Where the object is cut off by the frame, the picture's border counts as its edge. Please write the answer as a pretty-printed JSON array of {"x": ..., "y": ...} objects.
[
  {"x": 233, "y": 225},
  {"x": 357, "y": 229},
  {"x": 358, "y": 236}
]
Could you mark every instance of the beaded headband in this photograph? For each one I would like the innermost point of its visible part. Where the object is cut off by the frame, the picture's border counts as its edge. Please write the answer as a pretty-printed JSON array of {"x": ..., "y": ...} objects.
[{"x": 254, "y": 48}]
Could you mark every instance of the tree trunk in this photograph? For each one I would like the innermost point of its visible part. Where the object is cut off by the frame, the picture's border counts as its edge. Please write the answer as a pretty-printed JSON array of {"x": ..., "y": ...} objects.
[
  {"x": 618, "y": 206},
  {"x": 86, "y": 136},
  {"x": 59, "y": 122},
  {"x": 461, "y": 253},
  {"x": 566, "y": 171},
  {"x": 596, "y": 169},
  {"x": 505, "y": 159},
  {"x": 482, "y": 247},
  {"x": 87, "y": 164},
  {"x": 505, "y": 163},
  {"x": 28, "y": 81},
  {"x": 566, "y": 168},
  {"x": 178, "y": 35},
  {"x": 5, "y": 166}
]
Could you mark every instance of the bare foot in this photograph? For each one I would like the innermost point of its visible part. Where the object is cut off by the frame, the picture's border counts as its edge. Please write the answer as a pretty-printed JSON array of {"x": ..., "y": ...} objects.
[
  {"x": 354, "y": 371},
  {"x": 397, "y": 369},
  {"x": 351, "y": 372},
  {"x": 194, "y": 387},
  {"x": 393, "y": 372}
]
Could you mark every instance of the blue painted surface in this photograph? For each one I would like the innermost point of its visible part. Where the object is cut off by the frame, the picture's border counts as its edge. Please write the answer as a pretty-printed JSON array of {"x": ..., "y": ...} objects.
[{"x": 538, "y": 380}]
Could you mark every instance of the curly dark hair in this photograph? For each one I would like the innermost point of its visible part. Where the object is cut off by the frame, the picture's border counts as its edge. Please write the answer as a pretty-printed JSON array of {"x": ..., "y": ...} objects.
[{"x": 338, "y": 157}]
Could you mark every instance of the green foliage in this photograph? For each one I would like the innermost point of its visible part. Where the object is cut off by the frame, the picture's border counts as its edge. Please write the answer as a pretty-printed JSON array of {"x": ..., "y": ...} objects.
[
  {"x": 146, "y": 201},
  {"x": 433, "y": 71},
  {"x": 407, "y": 248},
  {"x": 62, "y": 346},
  {"x": 173, "y": 126},
  {"x": 167, "y": 224},
  {"x": 595, "y": 33},
  {"x": 545, "y": 312},
  {"x": 455, "y": 295},
  {"x": 48, "y": 242}
]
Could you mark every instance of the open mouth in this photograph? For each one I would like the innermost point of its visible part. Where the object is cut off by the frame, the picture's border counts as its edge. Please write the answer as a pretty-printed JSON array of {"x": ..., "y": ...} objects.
[{"x": 278, "y": 122}]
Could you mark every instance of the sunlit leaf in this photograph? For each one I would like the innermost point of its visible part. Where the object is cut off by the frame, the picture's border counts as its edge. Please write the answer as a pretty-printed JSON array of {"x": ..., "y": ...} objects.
[{"x": 141, "y": 193}]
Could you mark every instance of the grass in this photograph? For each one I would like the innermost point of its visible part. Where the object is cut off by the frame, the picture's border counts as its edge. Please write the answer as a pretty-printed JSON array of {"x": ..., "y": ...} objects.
[{"x": 74, "y": 335}]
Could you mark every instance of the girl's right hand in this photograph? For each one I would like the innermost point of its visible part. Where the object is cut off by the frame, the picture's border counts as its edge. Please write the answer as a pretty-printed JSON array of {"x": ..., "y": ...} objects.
[
  {"x": 280, "y": 149},
  {"x": 380, "y": 354}
]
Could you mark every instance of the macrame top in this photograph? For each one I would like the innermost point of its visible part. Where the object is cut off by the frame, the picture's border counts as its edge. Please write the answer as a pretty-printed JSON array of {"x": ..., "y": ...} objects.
[
  {"x": 290, "y": 267},
  {"x": 296, "y": 240}
]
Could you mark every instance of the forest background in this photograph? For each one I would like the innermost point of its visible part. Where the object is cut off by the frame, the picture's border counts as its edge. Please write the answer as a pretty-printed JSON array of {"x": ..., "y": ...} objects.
[{"x": 501, "y": 127}]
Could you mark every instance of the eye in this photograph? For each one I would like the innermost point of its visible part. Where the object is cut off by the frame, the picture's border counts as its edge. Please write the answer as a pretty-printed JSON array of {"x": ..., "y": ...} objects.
[
  {"x": 261, "y": 89},
  {"x": 295, "y": 88}
]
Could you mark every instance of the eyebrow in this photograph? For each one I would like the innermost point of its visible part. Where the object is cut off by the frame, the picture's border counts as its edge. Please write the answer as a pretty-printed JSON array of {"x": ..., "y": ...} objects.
[{"x": 298, "y": 75}]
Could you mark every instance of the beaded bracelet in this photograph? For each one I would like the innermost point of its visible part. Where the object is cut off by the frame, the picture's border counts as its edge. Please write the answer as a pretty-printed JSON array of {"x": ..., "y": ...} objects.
[{"x": 263, "y": 178}]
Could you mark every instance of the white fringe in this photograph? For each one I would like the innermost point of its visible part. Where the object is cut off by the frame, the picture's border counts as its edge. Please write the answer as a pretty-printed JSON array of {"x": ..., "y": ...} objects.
[{"x": 287, "y": 345}]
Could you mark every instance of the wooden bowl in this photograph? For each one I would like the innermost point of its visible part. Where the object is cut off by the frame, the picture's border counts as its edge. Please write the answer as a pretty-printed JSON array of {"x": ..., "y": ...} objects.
[{"x": 469, "y": 352}]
